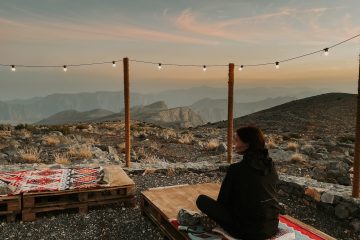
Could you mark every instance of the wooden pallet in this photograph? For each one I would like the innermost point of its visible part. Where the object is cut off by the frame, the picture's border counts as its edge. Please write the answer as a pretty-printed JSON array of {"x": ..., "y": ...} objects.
[
  {"x": 81, "y": 199},
  {"x": 10, "y": 207},
  {"x": 160, "y": 219},
  {"x": 162, "y": 204}
]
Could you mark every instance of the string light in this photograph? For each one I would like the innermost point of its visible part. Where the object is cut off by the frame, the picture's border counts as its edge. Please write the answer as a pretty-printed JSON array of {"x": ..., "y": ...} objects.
[
  {"x": 326, "y": 51},
  {"x": 64, "y": 68},
  {"x": 277, "y": 66},
  {"x": 160, "y": 66},
  {"x": 113, "y": 63},
  {"x": 13, "y": 69}
]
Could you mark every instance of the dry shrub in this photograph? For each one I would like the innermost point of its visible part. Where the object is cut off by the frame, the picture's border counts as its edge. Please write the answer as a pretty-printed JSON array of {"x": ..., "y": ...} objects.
[
  {"x": 293, "y": 146},
  {"x": 66, "y": 140},
  {"x": 271, "y": 144},
  {"x": 186, "y": 138},
  {"x": 112, "y": 126},
  {"x": 212, "y": 144},
  {"x": 84, "y": 152},
  {"x": 308, "y": 147},
  {"x": 148, "y": 170},
  {"x": 141, "y": 151},
  {"x": 5, "y": 133},
  {"x": 151, "y": 159},
  {"x": 62, "y": 159},
  {"x": 122, "y": 147},
  {"x": 297, "y": 158},
  {"x": 90, "y": 141},
  {"x": 72, "y": 152},
  {"x": 51, "y": 140},
  {"x": 153, "y": 145},
  {"x": 167, "y": 133},
  {"x": 30, "y": 155}
]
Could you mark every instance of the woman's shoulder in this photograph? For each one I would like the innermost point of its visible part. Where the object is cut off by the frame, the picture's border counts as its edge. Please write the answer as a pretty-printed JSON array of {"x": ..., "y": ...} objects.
[{"x": 236, "y": 166}]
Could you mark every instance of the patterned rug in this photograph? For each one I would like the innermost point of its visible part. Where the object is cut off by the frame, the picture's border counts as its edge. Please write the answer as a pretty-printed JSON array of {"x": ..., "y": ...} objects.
[
  {"x": 52, "y": 179},
  {"x": 288, "y": 230}
]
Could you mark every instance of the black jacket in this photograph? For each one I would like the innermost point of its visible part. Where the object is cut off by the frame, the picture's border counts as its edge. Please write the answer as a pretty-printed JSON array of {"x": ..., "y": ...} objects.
[{"x": 248, "y": 192}]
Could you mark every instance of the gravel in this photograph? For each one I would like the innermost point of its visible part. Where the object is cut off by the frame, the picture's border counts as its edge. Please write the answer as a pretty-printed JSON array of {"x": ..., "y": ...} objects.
[{"x": 116, "y": 222}]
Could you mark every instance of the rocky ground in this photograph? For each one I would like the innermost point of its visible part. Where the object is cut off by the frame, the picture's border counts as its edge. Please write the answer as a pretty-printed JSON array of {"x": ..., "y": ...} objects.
[
  {"x": 153, "y": 147},
  {"x": 117, "y": 222},
  {"x": 324, "y": 159}
]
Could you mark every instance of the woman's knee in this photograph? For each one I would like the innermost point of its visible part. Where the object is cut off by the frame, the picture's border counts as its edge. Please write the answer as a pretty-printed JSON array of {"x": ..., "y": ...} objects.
[
  {"x": 204, "y": 202},
  {"x": 200, "y": 201}
]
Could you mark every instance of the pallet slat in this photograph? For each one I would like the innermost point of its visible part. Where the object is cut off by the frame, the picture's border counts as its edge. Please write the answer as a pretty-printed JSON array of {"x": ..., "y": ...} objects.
[
  {"x": 34, "y": 203},
  {"x": 30, "y": 214},
  {"x": 10, "y": 207}
]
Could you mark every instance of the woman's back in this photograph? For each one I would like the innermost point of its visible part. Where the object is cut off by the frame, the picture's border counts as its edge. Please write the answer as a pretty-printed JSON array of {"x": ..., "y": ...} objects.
[
  {"x": 249, "y": 193},
  {"x": 247, "y": 205}
]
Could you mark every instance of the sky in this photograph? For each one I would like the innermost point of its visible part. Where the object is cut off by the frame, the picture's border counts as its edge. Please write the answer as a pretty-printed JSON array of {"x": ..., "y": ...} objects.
[{"x": 204, "y": 32}]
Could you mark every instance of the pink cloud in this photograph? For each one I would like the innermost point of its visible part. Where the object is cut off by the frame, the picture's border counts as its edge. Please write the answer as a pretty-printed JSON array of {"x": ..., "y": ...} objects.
[
  {"x": 46, "y": 31},
  {"x": 270, "y": 26}
]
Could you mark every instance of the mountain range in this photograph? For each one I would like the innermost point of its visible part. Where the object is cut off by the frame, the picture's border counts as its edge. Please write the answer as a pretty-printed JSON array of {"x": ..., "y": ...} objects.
[{"x": 38, "y": 108}]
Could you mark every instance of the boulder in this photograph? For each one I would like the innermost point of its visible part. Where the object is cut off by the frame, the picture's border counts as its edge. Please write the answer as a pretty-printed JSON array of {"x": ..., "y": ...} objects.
[
  {"x": 341, "y": 211},
  {"x": 221, "y": 148}
]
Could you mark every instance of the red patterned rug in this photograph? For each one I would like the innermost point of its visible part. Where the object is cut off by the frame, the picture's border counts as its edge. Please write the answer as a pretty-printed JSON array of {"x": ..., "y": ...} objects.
[
  {"x": 288, "y": 230},
  {"x": 52, "y": 179}
]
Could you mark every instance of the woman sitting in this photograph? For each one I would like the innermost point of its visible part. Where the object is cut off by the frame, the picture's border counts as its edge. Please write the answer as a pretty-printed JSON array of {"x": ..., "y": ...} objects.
[{"x": 247, "y": 205}]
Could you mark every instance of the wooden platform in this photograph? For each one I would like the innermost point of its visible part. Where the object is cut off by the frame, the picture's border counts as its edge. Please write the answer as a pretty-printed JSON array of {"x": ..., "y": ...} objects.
[
  {"x": 121, "y": 189},
  {"x": 10, "y": 207},
  {"x": 162, "y": 204}
]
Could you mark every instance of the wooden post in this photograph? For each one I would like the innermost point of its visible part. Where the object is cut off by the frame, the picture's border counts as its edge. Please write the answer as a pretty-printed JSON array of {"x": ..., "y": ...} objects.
[
  {"x": 356, "y": 178},
  {"x": 127, "y": 111},
  {"x": 230, "y": 113}
]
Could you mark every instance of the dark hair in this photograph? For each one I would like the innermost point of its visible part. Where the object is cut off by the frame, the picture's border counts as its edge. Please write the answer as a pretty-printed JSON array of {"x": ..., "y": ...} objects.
[{"x": 252, "y": 136}]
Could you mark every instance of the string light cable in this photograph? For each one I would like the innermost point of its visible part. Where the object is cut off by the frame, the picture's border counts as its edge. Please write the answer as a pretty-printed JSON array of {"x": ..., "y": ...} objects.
[{"x": 160, "y": 65}]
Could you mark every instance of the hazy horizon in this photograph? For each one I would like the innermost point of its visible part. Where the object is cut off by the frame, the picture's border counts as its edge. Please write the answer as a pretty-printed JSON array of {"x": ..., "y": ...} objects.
[
  {"x": 186, "y": 32},
  {"x": 174, "y": 89}
]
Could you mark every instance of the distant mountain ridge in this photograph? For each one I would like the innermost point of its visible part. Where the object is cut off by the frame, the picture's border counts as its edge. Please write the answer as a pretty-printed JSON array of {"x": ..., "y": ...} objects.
[
  {"x": 157, "y": 113},
  {"x": 73, "y": 116},
  {"x": 38, "y": 108}
]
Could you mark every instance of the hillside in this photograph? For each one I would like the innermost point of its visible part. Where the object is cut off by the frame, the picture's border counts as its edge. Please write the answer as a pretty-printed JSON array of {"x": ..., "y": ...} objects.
[
  {"x": 213, "y": 110},
  {"x": 325, "y": 115},
  {"x": 73, "y": 116}
]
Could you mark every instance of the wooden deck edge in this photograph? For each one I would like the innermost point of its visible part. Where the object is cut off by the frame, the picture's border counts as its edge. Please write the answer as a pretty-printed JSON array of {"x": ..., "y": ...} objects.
[
  {"x": 160, "y": 220},
  {"x": 165, "y": 187}
]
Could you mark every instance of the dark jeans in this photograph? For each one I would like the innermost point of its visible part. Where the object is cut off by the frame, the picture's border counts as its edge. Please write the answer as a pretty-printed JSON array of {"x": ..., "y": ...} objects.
[{"x": 216, "y": 212}]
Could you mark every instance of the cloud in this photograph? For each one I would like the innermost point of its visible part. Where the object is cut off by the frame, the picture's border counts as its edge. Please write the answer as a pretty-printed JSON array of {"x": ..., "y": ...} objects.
[
  {"x": 46, "y": 31},
  {"x": 286, "y": 23}
]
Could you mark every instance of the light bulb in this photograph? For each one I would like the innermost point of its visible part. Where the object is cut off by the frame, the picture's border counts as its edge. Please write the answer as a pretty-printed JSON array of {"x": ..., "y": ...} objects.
[
  {"x": 13, "y": 68},
  {"x": 113, "y": 63},
  {"x": 241, "y": 67},
  {"x": 326, "y": 51},
  {"x": 277, "y": 66},
  {"x": 159, "y": 66},
  {"x": 204, "y": 68},
  {"x": 65, "y": 68}
]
